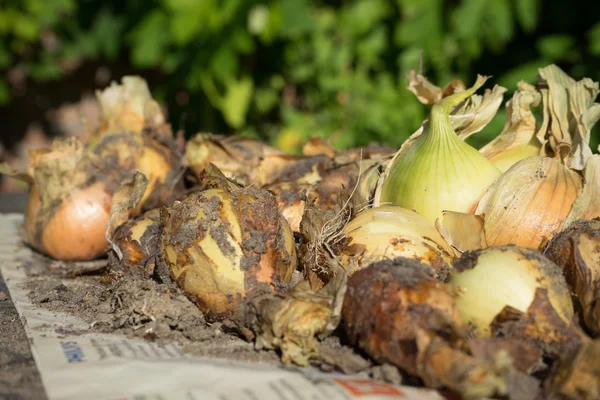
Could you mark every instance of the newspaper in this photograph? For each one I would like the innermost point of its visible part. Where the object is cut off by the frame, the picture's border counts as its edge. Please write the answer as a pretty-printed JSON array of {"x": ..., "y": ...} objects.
[{"x": 110, "y": 367}]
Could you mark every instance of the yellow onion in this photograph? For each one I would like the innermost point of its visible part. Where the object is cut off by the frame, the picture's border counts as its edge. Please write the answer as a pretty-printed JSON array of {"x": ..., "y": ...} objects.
[
  {"x": 69, "y": 202},
  {"x": 222, "y": 245},
  {"x": 135, "y": 137},
  {"x": 526, "y": 206},
  {"x": 439, "y": 171},
  {"x": 576, "y": 250},
  {"x": 389, "y": 232},
  {"x": 157, "y": 160},
  {"x": 137, "y": 241},
  {"x": 488, "y": 280}
]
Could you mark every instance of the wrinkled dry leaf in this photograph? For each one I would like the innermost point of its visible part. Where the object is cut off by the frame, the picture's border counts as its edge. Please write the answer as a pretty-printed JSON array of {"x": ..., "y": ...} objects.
[
  {"x": 426, "y": 92},
  {"x": 7, "y": 170},
  {"x": 584, "y": 114},
  {"x": 476, "y": 112},
  {"x": 297, "y": 320},
  {"x": 462, "y": 231},
  {"x": 587, "y": 205},
  {"x": 520, "y": 126},
  {"x": 569, "y": 115},
  {"x": 318, "y": 146}
]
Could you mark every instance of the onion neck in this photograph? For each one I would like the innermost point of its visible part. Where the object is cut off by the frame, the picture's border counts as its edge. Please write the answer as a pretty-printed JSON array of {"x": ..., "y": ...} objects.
[{"x": 439, "y": 126}]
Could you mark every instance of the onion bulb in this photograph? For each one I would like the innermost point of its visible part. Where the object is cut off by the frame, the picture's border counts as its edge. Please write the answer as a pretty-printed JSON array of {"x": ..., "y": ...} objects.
[
  {"x": 237, "y": 157},
  {"x": 526, "y": 206},
  {"x": 223, "y": 244},
  {"x": 488, "y": 280},
  {"x": 137, "y": 241},
  {"x": 69, "y": 202},
  {"x": 135, "y": 137},
  {"x": 128, "y": 107},
  {"x": 438, "y": 171},
  {"x": 390, "y": 232}
]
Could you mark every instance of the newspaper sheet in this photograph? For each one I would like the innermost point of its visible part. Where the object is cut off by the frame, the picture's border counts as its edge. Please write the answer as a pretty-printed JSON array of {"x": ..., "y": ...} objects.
[{"x": 111, "y": 367}]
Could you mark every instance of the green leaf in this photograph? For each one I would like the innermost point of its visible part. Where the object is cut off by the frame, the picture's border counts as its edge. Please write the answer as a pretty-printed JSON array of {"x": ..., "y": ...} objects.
[
  {"x": 594, "y": 39},
  {"x": 527, "y": 13},
  {"x": 526, "y": 72},
  {"x": 4, "y": 92},
  {"x": 555, "y": 47},
  {"x": 296, "y": 18},
  {"x": 237, "y": 101},
  {"x": 224, "y": 64},
  {"x": 469, "y": 17},
  {"x": 25, "y": 27},
  {"x": 499, "y": 19},
  {"x": 265, "y": 99},
  {"x": 149, "y": 40}
]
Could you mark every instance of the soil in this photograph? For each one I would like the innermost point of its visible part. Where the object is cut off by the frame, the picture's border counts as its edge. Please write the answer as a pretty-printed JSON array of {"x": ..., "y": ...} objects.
[{"x": 136, "y": 307}]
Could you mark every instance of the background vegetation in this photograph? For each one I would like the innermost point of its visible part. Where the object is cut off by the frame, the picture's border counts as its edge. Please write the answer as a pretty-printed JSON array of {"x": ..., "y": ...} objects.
[{"x": 287, "y": 70}]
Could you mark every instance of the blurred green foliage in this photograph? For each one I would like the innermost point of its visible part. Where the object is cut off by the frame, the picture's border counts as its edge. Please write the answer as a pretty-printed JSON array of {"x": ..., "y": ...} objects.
[{"x": 287, "y": 70}]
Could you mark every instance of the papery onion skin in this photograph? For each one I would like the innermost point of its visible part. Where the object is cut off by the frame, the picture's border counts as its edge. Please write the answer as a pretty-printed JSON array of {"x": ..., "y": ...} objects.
[
  {"x": 527, "y": 205},
  {"x": 159, "y": 162},
  {"x": 488, "y": 280},
  {"x": 221, "y": 245},
  {"x": 75, "y": 229},
  {"x": 391, "y": 232}
]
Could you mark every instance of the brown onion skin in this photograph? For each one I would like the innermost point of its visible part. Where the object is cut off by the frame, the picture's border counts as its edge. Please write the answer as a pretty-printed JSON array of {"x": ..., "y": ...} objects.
[{"x": 76, "y": 228}]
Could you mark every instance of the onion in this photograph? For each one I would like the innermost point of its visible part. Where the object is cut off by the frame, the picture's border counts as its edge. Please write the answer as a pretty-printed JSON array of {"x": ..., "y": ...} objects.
[
  {"x": 438, "y": 171},
  {"x": 576, "y": 250},
  {"x": 137, "y": 241},
  {"x": 128, "y": 107},
  {"x": 526, "y": 206},
  {"x": 488, "y": 280},
  {"x": 69, "y": 202},
  {"x": 391, "y": 232},
  {"x": 237, "y": 157},
  {"x": 223, "y": 244},
  {"x": 135, "y": 137}
]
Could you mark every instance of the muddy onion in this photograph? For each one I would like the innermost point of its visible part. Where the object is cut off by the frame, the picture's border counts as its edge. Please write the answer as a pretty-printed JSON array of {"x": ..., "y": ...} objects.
[
  {"x": 391, "y": 232},
  {"x": 137, "y": 241},
  {"x": 69, "y": 202},
  {"x": 488, "y": 280},
  {"x": 221, "y": 245},
  {"x": 527, "y": 205}
]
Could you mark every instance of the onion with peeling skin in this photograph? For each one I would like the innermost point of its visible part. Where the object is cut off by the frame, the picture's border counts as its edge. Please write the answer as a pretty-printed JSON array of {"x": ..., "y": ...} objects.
[
  {"x": 135, "y": 137},
  {"x": 69, "y": 202},
  {"x": 527, "y": 205},
  {"x": 391, "y": 232},
  {"x": 222, "y": 245},
  {"x": 488, "y": 280}
]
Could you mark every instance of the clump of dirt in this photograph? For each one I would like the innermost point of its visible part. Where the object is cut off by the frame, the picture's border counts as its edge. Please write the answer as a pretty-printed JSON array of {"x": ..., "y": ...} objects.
[{"x": 138, "y": 307}]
